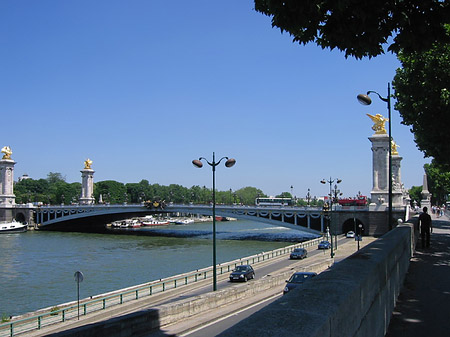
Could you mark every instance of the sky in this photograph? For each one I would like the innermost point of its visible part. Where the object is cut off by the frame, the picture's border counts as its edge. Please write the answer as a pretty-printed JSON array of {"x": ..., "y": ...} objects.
[{"x": 144, "y": 87}]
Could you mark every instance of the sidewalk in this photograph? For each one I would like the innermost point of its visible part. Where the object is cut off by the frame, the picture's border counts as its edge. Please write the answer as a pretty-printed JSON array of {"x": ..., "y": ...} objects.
[{"x": 423, "y": 307}]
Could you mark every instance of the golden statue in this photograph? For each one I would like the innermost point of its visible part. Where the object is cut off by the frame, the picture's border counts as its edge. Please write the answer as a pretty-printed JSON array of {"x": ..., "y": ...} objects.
[
  {"x": 378, "y": 125},
  {"x": 87, "y": 164},
  {"x": 394, "y": 147},
  {"x": 7, "y": 152}
]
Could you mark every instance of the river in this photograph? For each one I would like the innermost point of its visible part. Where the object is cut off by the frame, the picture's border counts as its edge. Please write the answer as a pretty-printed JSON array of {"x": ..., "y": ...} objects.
[{"x": 37, "y": 267}]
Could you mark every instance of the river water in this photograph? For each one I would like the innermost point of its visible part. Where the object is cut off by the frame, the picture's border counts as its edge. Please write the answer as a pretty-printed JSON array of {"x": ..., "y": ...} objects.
[{"x": 37, "y": 267}]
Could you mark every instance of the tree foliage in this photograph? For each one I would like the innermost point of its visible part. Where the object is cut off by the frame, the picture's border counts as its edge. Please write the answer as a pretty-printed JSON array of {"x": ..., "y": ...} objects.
[
  {"x": 422, "y": 90},
  {"x": 438, "y": 182},
  {"x": 247, "y": 195},
  {"x": 415, "y": 193},
  {"x": 55, "y": 190},
  {"x": 284, "y": 195},
  {"x": 361, "y": 28}
]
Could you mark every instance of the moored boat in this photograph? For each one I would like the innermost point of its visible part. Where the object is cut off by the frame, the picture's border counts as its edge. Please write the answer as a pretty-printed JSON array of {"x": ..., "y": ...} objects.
[
  {"x": 12, "y": 227},
  {"x": 184, "y": 221},
  {"x": 151, "y": 221},
  {"x": 130, "y": 223}
]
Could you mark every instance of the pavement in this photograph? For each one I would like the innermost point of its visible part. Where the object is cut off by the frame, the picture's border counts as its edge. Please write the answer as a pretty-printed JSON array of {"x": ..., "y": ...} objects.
[{"x": 423, "y": 306}]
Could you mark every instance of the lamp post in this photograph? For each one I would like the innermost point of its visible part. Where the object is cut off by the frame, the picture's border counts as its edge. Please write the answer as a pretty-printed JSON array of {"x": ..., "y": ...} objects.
[
  {"x": 335, "y": 199},
  {"x": 365, "y": 100},
  {"x": 331, "y": 181},
  {"x": 308, "y": 197},
  {"x": 229, "y": 163}
]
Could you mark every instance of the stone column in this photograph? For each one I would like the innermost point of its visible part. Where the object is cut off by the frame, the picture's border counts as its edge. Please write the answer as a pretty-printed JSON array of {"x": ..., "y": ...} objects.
[
  {"x": 426, "y": 195},
  {"x": 380, "y": 169},
  {"x": 7, "y": 197},
  {"x": 87, "y": 184},
  {"x": 397, "y": 186}
]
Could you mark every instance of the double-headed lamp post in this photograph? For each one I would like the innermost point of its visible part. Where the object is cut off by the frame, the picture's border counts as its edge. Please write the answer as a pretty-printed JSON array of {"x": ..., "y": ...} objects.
[
  {"x": 365, "y": 100},
  {"x": 229, "y": 163},
  {"x": 331, "y": 181}
]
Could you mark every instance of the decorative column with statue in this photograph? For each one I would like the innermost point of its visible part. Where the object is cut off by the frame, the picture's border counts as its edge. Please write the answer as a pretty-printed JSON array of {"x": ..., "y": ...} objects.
[
  {"x": 7, "y": 197},
  {"x": 380, "y": 167},
  {"x": 87, "y": 184}
]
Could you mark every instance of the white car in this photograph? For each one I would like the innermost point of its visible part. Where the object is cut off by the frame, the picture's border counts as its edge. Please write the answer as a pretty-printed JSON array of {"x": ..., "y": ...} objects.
[{"x": 350, "y": 234}]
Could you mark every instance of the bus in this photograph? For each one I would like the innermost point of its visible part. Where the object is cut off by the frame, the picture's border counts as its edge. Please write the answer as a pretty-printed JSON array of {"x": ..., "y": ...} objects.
[
  {"x": 359, "y": 200},
  {"x": 271, "y": 201}
]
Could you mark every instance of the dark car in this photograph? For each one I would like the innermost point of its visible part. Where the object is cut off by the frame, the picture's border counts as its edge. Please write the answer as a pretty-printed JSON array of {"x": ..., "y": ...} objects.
[
  {"x": 298, "y": 253},
  {"x": 242, "y": 273},
  {"x": 324, "y": 245},
  {"x": 296, "y": 279}
]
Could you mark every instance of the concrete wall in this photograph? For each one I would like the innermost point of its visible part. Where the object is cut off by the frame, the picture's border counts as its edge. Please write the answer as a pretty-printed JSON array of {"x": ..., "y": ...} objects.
[{"x": 355, "y": 297}]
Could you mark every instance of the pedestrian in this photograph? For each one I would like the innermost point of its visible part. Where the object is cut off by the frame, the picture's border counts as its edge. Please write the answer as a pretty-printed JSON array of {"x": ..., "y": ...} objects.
[{"x": 425, "y": 227}]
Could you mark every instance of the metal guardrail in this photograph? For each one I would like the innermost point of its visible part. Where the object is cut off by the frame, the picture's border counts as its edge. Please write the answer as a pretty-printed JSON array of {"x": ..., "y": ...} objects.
[{"x": 101, "y": 302}]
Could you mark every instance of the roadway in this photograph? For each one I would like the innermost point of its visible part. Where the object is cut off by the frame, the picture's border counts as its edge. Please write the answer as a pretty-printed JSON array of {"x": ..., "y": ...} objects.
[{"x": 216, "y": 320}]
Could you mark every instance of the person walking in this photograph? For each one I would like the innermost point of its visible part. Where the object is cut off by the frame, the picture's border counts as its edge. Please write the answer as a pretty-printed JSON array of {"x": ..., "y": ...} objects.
[{"x": 425, "y": 227}]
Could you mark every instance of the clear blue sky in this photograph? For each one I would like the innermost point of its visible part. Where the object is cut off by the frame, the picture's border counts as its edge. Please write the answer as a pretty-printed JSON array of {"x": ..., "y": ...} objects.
[{"x": 143, "y": 87}]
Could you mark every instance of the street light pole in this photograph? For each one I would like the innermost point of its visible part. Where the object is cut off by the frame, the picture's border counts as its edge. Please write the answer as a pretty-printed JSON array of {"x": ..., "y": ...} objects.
[
  {"x": 365, "y": 100},
  {"x": 331, "y": 181},
  {"x": 229, "y": 163}
]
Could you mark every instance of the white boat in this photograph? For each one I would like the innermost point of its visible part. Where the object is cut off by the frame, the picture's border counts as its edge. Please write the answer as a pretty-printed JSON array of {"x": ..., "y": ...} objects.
[
  {"x": 12, "y": 227},
  {"x": 115, "y": 224},
  {"x": 184, "y": 221},
  {"x": 130, "y": 223},
  {"x": 151, "y": 221}
]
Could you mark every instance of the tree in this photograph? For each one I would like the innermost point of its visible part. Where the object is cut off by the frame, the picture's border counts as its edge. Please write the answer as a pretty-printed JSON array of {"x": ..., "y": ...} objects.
[
  {"x": 247, "y": 195},
  {"x": 415, "y": 193},
  {"x": 55, "y": 177},
  {"x": 111, "y": 191},
  {"x": 361, "y": 28},
  {"x": 422, "y": 90},
  {"x": 438, "y": 182},
  {"x": 284, "y": 195}
]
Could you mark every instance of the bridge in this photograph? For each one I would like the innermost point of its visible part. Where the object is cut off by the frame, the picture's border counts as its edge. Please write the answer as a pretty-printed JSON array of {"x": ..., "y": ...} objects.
[{"x": 93, "y": 218}]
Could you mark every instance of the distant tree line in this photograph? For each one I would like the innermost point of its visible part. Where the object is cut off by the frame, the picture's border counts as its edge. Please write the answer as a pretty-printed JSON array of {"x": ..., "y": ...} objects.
[{"x": 54, "y": 190}]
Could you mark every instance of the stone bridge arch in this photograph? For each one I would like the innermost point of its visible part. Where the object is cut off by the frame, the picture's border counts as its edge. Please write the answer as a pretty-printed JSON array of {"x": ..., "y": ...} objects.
[{"x": 352, "y": 224}]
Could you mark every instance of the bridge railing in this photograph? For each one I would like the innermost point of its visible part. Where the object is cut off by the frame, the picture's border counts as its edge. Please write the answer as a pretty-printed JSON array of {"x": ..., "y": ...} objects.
[{"x": 71, "y": 311}]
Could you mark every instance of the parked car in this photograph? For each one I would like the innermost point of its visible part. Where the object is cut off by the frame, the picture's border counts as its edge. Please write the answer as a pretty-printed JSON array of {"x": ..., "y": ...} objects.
[
  {"x": 298, "y": 253},
  {"x": 350, "y": 234},
  {"x": 242, "y": 273},
  {"x": 296, "y": 279},
  {"x": 324, "y": 245}
]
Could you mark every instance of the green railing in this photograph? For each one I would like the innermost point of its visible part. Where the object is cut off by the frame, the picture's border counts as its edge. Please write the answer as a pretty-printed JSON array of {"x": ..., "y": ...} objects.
[{"x": 101, "y": 302}]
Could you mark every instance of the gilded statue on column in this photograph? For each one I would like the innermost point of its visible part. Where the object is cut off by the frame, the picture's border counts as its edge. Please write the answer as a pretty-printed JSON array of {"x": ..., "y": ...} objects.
[
  {"x": 394, "y": 147},
  {"x": 6, "y": 150},
  {"x": 87, "y": 164},
  {"x": 378, "y": 125}
]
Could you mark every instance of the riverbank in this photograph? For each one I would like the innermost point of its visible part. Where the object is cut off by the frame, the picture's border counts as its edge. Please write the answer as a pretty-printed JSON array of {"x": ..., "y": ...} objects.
[
  {"x": 41, "y": 264},
  {"x": 97, "y": 305}
]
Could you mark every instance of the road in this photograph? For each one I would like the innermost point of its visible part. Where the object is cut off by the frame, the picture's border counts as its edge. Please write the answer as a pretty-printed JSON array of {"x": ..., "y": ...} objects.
[{"x": 218, "y": 320}]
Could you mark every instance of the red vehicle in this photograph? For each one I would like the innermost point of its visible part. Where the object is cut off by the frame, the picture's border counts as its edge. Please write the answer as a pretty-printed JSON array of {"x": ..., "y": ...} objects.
[{"x": 360, "y": 200}]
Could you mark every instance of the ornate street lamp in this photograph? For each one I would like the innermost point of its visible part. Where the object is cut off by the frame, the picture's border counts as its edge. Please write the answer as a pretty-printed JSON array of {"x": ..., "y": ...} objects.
[
  {"x": 229, "y": 163},
  {"x": 365, "y": 100},
  {"x": 308, "y": 197},
  {"x": 331, "y": 181}
]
